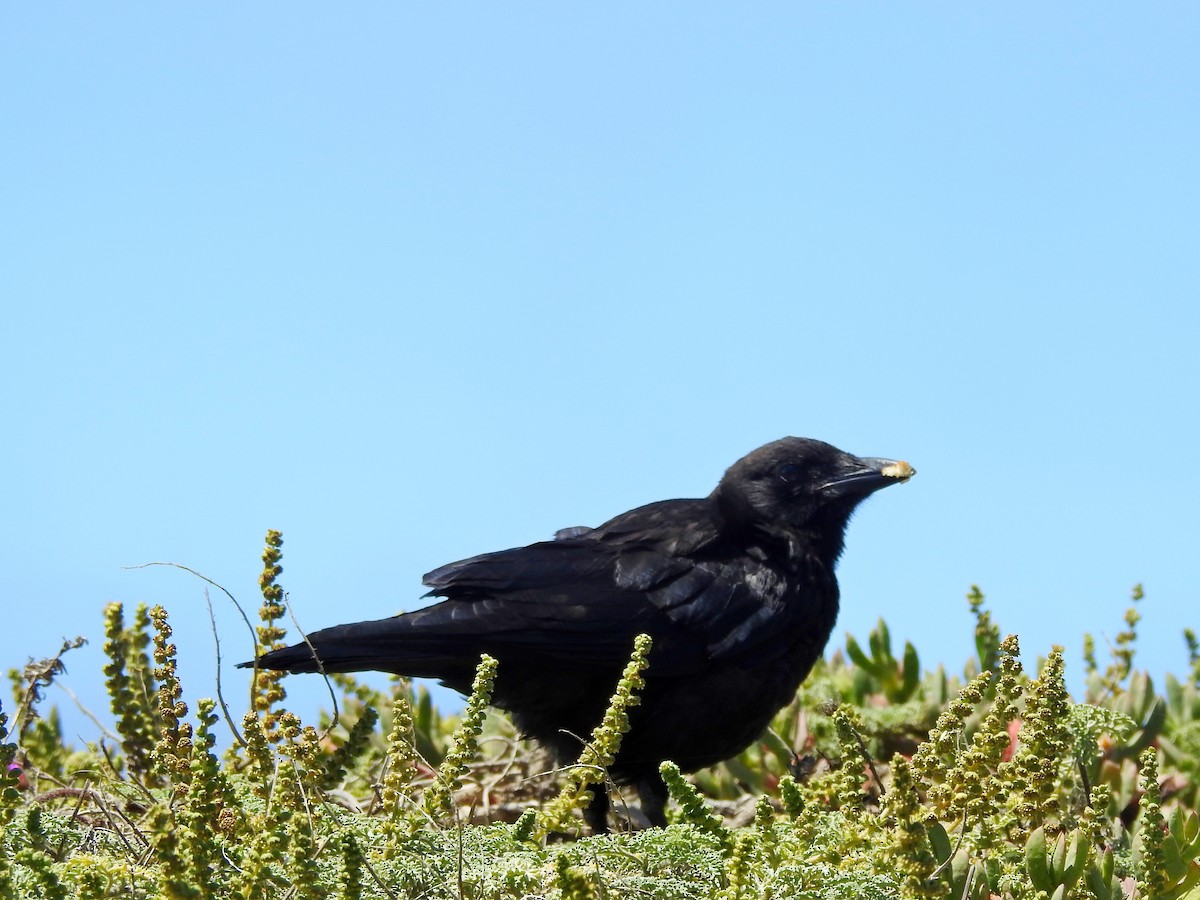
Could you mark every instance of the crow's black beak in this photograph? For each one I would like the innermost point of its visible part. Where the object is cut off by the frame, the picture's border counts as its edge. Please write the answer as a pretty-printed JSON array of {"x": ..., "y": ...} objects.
[{"x": 860, "y": 477}]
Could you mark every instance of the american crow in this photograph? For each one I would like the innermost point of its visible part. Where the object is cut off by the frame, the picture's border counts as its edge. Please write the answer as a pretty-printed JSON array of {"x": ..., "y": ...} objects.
[{"x": 737, "y": 591}]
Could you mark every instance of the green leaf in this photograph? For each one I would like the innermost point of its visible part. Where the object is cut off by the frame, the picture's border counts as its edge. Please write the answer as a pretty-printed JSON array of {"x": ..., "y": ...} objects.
[
  {"x": 912, "y": 673},
  {"x": 1107, "y": 864},
  {"x": 1036, "y": 863},
  {"x": 1059, "y": 859},
  {"x": 1174, "y": 693},
  {"x": 940, "y": 842},
  {"x": 1101, "y": 881},
  {"x": 1098, "y": 885},
  {"x": 1077, "y": 857},
  {"x": 1150, "y": 727},
  {"x": 881, "y": 642},
  {"x": 777, "y": 745},
  {"x": 959, "y": 868},
  {"x": 854, "y": 651},
  {"x": 1185, "y": 829},
  {"x": 1173, "y": 862}
]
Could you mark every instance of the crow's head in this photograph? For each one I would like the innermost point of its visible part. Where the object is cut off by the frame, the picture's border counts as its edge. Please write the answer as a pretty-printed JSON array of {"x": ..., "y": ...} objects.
[{"x": 802, "y": 484}]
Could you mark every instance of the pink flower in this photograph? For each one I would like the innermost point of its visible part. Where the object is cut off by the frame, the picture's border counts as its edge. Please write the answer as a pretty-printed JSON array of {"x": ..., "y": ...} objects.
[{"x": 21, "y": 782}]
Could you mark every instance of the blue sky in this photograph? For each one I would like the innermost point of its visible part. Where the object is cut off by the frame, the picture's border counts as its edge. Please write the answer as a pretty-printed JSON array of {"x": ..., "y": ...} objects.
[{"x": 412, "y": 283}]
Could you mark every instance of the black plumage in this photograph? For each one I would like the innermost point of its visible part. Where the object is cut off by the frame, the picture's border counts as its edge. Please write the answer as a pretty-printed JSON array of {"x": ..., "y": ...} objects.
[{"x": 737, "y": 590}]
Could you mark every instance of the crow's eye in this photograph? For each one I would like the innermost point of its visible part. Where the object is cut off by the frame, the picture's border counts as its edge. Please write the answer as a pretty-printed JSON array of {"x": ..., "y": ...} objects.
[{"x": 788, "y": 472}]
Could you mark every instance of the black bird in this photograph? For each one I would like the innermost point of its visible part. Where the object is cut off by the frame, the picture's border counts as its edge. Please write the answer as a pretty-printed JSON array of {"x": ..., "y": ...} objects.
[{"x": 736, "y": 589}]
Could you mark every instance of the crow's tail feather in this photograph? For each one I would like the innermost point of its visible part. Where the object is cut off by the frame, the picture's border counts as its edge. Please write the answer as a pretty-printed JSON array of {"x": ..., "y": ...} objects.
[{"x": 382, "y": 645}]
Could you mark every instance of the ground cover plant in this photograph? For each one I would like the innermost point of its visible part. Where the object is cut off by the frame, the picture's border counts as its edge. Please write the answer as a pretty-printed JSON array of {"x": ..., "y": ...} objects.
[{"x": 882, "y": 779}]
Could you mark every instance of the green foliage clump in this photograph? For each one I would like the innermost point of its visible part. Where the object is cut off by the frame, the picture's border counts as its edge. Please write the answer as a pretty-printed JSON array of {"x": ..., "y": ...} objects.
[
  {"x": 465, "y": 743},
  {"x": 601, "y": 750},
  {"x": 882, "y": 780}
]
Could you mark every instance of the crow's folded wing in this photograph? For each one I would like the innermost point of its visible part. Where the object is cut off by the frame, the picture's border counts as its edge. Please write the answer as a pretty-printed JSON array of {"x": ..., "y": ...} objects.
[
  {"x": 553, "y": 600},
  {"x": 583, "y": 601}
]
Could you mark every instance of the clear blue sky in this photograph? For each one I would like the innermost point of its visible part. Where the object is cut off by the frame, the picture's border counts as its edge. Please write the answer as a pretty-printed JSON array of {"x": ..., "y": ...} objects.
[{"x": 414, "y": 282}]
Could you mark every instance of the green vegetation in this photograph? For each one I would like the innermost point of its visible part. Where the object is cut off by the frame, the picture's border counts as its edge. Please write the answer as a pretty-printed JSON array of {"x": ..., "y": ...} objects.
[{"x": 881, "y": 780}]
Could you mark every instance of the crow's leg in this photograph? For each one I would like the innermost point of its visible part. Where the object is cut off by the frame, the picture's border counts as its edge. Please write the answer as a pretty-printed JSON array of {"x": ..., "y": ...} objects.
[
  {"x": 596, "y": 814},
  {"x": 653, "y": 794}
]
